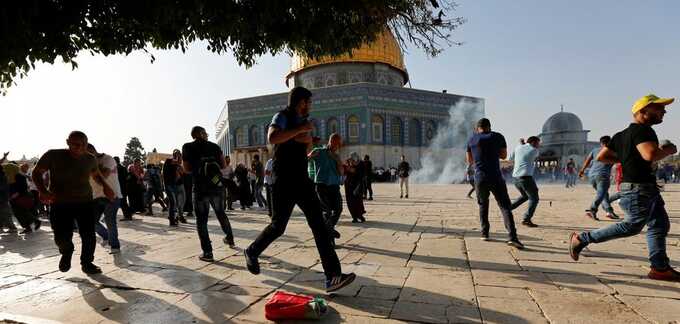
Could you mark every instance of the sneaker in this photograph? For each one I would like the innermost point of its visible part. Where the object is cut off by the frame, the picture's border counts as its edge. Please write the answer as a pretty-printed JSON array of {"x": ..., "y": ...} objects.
[
  {"x": 592, "y": 215},
  {"x": 37, "y": 224},
  {"x": 354, "y": 220},
  {"x": 229, "y": 242},
  {"x": 26, "y": 231},
  {"x": 612, "y": 215},
  {"x": 485, "y": 237},
  {"x": 90, "y": 268},
  {"x": 528, "y": 223},
  {"x": 206, "y": 257},
  {"x": 190, "y": 214},
  {"x": 516, "y": 244},
  {"x": 252, "y": 263},
  {"x": 575, "y": 246},
  {"x": 114, "y": 251},
  {"x": 362, "y": 219},
  {"x": 370, "y": 198},
  {"x": 667, "y": 275},
  {"x": 182, "y": 220},
  {"x": 65, "y": 263},
  {"x": 173, "y": 223},
  {"x": 338, "y": 282}
]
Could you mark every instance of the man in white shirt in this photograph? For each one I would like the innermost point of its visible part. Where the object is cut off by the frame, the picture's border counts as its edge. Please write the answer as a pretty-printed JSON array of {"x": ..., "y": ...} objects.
[
  {"x": 107, "y": 207},
  {"x": 268, "y": 182},
  {"x": 524, "y": 157}
]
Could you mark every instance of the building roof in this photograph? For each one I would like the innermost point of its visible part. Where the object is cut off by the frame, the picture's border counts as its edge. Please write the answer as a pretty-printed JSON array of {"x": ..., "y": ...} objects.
[
  {"x": 384, "y": 49},
  {"x": 562, "y": 122}
]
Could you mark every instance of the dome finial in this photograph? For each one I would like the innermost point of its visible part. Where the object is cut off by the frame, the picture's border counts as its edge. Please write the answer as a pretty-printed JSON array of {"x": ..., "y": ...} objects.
[{"x": 561, "y": 108}]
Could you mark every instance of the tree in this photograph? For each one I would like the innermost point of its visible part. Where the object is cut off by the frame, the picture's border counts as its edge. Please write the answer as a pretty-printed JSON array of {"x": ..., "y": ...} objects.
[
  {"x": 133, "y": 150},
  {"x": 42, "y": 31}
]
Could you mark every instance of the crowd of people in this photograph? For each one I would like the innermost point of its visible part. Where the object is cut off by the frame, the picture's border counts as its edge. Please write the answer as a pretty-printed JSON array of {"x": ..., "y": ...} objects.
[{"x": 79, "y": 185}]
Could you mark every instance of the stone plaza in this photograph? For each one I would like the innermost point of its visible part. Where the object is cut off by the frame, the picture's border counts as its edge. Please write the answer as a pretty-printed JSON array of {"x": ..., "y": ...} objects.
[{"x": 418, "y": 260}]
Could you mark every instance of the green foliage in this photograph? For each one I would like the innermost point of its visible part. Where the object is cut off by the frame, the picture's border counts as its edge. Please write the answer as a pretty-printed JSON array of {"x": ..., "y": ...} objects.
[
  {"x": 43, "y": 31},
  {"x": 133, "y": 150}
]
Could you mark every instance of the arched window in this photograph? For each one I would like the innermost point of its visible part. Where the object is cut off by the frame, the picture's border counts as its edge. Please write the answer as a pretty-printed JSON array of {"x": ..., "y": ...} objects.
[
  {"x": 377, "y": 123},
  {"x": 333, "y": 126},
  {"x": 397, "y": 131},
  {"x": 414, "y": 132},
  {"x": 254, "y": 136},
  {"x": 316, "y": 132},
  {"x": 430, "y": 131},
  {"x": 240, "y": 136},
  {"x": 353, "y": 129}
]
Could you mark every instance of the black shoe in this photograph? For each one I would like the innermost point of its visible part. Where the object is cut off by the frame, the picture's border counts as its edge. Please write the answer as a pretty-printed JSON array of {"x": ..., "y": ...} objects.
[
  {"x": 182, "y": 220},
  {"x": 165, "y": 209},
  {"x": 126, "y": 219},
  {"x": 252, "y": 263},
  {"x": 336, "y": 234},
  {"x": 190, "y": 214},
  {"x": 528, "y": 223},
  {"x": 406, "y": 196},
  {"x": 485, "y": 236},
  {"x": 338, "y": 282},
  {"x": 173, "y": 223},
  {"x": 354, "y": 220},
  {"x": 65, "y": 262},
  {"x": 229, "y": 242},
  {"x": 370, "y": 198},
  {"x": 362, "y": 219},
  {"x": 401, "y": 196},
  {"x": 516, "y": 244},
  {"x": 90, "y": 268},
  {"x": 37, "y": 224},
  {"x": 26, "y": 231},
  {"x": 206, "y": 257},
  {"x": 575, "y": 246}
]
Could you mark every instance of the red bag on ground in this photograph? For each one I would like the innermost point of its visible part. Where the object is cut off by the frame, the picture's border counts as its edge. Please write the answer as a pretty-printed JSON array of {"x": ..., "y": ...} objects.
[{"x": 287, "y": 306}]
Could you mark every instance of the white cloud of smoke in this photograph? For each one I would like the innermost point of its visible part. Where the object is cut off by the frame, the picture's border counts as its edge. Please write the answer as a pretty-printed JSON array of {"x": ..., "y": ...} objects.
[{"x": 444, "y": 161}]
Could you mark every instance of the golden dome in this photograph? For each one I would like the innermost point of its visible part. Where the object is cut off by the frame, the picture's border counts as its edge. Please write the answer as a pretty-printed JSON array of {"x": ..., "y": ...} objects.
[{"x": 384, "y": 49}]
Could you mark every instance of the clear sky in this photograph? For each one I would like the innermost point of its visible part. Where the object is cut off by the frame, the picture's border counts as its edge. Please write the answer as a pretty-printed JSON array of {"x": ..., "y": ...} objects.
[{"x": 525, "y": 57}]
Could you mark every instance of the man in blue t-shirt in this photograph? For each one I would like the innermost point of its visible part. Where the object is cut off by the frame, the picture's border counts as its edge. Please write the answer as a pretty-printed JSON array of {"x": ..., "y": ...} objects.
[
  {"x": 484, "y": 150},
  {"x": 524, "y": 157},
  {"x": 599, "y": 176},
  {"x": 327, "y": 180}
]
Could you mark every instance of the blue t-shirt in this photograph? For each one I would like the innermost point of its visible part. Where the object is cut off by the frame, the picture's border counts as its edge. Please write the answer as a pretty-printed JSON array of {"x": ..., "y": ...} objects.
[
  {"x": 597, "y": 168},
  {"x": 281, "y": 121},
  {"x": 325, "y": 167},
  {"x": 485, "y": 149},
  {"x": 524, "y": 157}
]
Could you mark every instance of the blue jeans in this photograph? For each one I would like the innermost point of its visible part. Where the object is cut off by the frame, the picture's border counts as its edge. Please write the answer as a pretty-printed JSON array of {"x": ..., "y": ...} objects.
[
  {"x": 109, "y": 209},
  {"x": 601, "y": 185},
  {"x": 643, "y": 205},
  {"x": 529, "y": 192},
  {"x": 202, "y": 204},
  {"x": 176, "y": 198},
  {"x": 257, "y": 192}
]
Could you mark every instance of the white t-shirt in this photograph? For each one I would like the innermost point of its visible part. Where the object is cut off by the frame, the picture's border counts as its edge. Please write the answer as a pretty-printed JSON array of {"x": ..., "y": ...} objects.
[
  {"x": 268, "y": 169},
  {"x": 106, "y": 161},
  {"x": 227, "y": 172}
]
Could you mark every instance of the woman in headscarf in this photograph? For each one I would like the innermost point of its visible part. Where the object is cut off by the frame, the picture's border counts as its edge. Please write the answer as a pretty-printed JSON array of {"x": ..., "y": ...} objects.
[
  {"x": 21, "y": 199},
  {"x": 354, "y": 176}
]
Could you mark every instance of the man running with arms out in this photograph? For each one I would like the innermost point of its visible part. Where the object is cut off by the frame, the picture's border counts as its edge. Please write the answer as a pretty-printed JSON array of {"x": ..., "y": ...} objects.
[
  {"x": 70, "y": 196},
  {"x": 205, "y": 161},
  {"x": 523, "y": 175},
  {"x": 637, "y": 148},
  {"x": 599, "y": 176},
  {"x": 290, "y": 134},
  {"x": 485, "y": 149}
]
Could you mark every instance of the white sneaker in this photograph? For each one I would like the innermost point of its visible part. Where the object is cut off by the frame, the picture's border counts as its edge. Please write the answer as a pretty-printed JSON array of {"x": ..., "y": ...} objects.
[{"x": 114, "y": 251}]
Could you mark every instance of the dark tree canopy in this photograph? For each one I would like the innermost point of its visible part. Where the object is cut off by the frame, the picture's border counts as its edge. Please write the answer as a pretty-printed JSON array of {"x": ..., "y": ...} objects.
[
  {"x": 44, "y": 30},
  {"x": 133, "y": 150}
]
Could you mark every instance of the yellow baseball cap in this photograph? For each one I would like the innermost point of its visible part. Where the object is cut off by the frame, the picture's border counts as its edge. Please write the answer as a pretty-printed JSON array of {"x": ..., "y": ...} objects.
[{"x": 650, "y": 99}]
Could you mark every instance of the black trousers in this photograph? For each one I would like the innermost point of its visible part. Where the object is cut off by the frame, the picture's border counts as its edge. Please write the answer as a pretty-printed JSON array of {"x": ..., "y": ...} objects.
[
  {"x": 484, "y": 189},
  {"x": 368, "y": 188},
  {"x": 268, "y": 191},
  {"x": 62, "y": 217},
  {"x": 287, "y": 193},
  {"x": 331, "y": 203}
]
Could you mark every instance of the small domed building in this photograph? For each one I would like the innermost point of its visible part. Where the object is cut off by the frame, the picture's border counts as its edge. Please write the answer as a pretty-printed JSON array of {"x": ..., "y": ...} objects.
[
  {"x": 362, "y": 96},
  {"x": 562, "y": 138}
]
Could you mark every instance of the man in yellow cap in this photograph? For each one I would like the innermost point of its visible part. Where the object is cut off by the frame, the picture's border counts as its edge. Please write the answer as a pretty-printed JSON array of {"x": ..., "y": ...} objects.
[{"x": 637, "y": 147}]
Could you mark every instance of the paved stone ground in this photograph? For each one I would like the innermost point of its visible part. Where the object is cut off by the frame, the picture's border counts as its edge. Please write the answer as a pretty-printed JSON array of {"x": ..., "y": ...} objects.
[{"x": 418, "y": 260}]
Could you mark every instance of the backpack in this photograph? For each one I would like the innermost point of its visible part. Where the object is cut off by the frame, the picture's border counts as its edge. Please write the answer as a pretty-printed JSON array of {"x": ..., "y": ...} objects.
[{"x": 208, "y": 176}]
